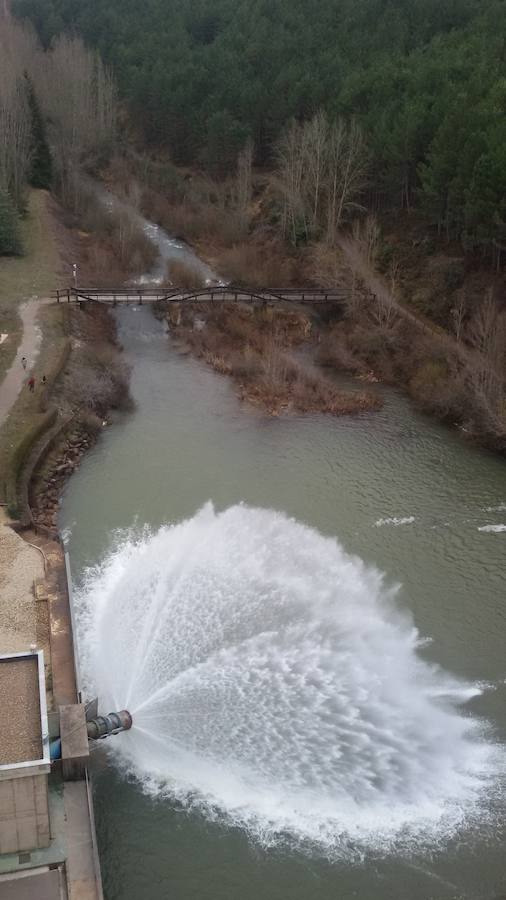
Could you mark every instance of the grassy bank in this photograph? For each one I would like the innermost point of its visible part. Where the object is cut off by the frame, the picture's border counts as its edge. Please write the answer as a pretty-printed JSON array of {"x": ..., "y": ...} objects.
[
  {"x": 94, "y": 381},
  {"x": 32, "y": 413},
  {"x": 83, "y": 370},
  {"x": 35, "y": 274}
]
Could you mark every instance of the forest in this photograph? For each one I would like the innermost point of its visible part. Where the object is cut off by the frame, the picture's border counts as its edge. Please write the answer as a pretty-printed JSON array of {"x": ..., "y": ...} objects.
[{"x": 424, "y": 80}]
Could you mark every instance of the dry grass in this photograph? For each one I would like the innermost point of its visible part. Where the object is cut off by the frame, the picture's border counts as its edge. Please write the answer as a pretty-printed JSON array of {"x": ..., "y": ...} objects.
[
  {"x": 335, "y": 352},
  {"x": 184, "y": 276},
  {"x": 115, "y": 246},
  {"x": 261, "y": 264},
  {"x": 438, "y": 378},
  {"x": 253, "y": 346},
  {"x": 192, "y": 220}
]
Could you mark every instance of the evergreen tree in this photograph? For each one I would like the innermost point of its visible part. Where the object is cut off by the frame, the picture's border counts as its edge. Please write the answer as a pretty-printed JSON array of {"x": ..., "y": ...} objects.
[
  {"x": 10, "y": 241},
  {"x": 225, "y": 139},
  {"x": 41, "y": 164},
  {"x": 425, "y": 80}
]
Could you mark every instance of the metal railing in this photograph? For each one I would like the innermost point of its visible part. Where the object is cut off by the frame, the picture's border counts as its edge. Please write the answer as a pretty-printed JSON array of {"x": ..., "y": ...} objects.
[{"x": 115, "y": 296}]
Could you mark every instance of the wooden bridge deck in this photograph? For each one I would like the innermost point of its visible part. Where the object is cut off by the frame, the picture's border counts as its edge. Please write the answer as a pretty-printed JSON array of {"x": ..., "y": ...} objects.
[{"x": 140, "y": 295}]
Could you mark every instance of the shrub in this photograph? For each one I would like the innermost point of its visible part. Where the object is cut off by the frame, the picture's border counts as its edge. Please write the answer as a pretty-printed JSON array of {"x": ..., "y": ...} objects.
[
  {"x": 440, "y": 390},
  {"x": 133, "y": 249},
  {"x": 90, "y": 422},
  {"x": 258, "y": 264},
  {"x": 183, "y": 275},
  {"x": 98, "y": 379},
  {"x": 335, "y": 353},
  {"x": 193, "y": 221}
]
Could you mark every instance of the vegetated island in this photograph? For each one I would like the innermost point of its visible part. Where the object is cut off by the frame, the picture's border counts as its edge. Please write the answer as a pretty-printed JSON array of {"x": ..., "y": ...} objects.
[{"x": 257, "y": 346}]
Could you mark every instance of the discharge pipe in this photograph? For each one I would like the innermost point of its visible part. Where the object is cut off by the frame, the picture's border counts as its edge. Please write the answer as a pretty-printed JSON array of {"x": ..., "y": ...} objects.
[{"x": 113, "y": 723}]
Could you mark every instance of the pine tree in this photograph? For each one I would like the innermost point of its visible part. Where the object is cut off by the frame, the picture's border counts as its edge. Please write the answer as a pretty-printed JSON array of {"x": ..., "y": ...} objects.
[
  {"x": 41, "y": 164},
  {"x": 10, "y": 241}
]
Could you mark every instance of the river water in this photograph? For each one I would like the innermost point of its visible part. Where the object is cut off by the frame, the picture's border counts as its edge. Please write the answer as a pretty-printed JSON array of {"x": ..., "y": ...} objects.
[{"x": 397, "y": 490}]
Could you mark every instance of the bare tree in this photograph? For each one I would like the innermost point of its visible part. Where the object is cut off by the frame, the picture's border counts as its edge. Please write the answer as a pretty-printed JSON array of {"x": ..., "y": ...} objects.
[
  {"x": 321, "y": 172},
  {"x": 315, "y": 146},
  {"x": 458, "y": 316},
  {"x": 486, "y": 333},
  {"x": 290, "y": 157},
  {"x": 366, "y": 233},
  {"x": 17, "y": 47},
  {"x": 79, "y": 99},
  {"x": 346, "y": 174}
]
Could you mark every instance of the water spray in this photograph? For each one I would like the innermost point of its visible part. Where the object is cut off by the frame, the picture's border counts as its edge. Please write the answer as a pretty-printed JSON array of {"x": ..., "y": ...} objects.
[{"x": 273, "y": 679}]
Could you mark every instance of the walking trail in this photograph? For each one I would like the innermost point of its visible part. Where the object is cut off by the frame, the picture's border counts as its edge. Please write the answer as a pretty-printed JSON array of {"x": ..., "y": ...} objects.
[
  {"x": 16, "y": 377},
  {"x": 359, "y": 264}
]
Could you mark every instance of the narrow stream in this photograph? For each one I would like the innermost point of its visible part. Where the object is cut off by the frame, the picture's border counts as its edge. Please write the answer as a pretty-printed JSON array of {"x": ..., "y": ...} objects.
[{"x": 395, "y": 489}]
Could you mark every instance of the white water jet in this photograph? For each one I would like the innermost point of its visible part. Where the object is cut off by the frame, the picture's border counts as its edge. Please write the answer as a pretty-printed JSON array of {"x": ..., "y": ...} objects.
[
  {"x": 274, "y": 683},
  {"x": 395, "y": 520}
]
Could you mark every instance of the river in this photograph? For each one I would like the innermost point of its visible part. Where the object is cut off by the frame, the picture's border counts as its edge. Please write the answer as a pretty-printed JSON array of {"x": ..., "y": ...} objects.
[{"x": 397, "y": 490}]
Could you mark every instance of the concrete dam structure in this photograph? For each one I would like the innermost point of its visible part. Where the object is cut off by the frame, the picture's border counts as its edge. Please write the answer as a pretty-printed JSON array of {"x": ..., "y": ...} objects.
[{"x": 48, "y": 846}]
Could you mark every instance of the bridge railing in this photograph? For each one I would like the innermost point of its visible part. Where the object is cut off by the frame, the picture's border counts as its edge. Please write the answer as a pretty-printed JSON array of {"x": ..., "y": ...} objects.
[{"x": 140, "y": 295}]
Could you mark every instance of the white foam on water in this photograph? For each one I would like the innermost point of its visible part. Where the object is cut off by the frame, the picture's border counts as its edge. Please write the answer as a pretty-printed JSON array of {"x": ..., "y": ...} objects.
[
  {"x": 493, "y": 529},
  {"x": 275, "y": 684},
  {"x": 395, "y": 520},
  {"x": 501, "y": 507}
]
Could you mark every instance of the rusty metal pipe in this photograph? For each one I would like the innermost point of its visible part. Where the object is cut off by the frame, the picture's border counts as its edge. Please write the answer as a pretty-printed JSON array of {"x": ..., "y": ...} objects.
[{"x": 112, "y": 723}]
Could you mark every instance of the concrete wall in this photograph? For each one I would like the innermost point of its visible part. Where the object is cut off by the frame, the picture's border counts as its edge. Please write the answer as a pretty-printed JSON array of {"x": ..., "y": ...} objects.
[{"x": 24, "y": 813}]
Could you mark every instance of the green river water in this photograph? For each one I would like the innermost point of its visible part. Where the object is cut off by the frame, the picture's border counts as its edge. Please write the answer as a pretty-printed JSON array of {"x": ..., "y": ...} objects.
[{"x": 395, "y": 489}]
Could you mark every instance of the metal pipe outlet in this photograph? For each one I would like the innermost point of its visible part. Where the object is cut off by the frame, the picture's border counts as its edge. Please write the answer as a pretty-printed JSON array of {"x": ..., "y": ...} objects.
[{"x": 113, "y": 723}]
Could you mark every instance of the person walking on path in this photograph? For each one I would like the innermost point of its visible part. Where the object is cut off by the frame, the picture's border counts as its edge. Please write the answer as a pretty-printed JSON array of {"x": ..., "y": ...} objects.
[
  {"x": 23, "y": 362},
  {"x": 31, "y": 384},
  {"x": 11, "y": 384}
]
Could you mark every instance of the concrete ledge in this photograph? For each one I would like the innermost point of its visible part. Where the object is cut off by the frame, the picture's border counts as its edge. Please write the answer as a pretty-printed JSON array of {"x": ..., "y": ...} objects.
[
  {"x": 40, "y": 884},
  {"x": 75, "y": 749}
]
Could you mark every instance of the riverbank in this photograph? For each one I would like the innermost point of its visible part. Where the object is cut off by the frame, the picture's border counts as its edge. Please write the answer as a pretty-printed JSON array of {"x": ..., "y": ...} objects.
[
  {"x": 258, "y": 347},
  {"x": 34, "y": 592},
  {"x": 422, "y": 314},
  {"x": 93, "y": 383},
  {"x": 69, "y": 355}
]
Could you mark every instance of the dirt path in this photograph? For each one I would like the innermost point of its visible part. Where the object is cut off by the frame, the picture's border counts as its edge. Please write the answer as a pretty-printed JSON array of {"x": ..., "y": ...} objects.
[
  {"x": 16, "y": 377},
  {"x": 375, "y": 283}
]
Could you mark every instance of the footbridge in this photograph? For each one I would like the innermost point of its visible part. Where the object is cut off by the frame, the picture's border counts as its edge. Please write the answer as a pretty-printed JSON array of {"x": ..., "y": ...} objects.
[{"x": 138, "y": 295}]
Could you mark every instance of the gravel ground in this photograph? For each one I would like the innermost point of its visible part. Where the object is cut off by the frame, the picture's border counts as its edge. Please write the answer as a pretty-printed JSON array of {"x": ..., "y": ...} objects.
[
  {"x": 20, "y": 615},
  {"x": 19, "y": 702}
]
